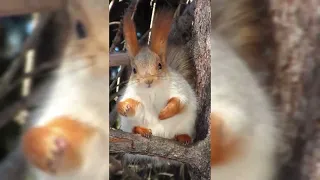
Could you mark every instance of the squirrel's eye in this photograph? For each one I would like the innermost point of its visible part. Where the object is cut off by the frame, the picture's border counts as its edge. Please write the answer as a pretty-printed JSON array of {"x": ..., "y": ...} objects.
[
  {"x": 159, "y": 66},
  {"x": 134, "y": 71}
]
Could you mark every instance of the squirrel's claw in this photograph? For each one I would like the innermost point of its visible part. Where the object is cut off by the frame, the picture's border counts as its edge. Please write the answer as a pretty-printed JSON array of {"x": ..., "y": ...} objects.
[{"x": 57, "y": 154}]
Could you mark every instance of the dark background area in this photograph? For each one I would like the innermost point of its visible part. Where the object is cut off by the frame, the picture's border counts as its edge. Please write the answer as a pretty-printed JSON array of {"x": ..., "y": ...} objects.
[{"x": 13, "y": 32}]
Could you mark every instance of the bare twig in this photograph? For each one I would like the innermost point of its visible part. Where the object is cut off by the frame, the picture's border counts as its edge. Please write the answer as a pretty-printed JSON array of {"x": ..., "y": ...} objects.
[
  {"x": 118, "y": 59},
  {"x": 36, "y": 73},
  {"x": 18, "y": 7},
  {"x": 119, "y": 85},
  {"x": 115, "y": 23},
  {"x": 116, "y": 78}
]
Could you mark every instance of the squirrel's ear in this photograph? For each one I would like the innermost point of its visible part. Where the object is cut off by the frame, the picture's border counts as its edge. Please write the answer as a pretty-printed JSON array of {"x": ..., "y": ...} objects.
[
  {"x": 129, "y": 32},
  {"x": 160, "y": 31}
]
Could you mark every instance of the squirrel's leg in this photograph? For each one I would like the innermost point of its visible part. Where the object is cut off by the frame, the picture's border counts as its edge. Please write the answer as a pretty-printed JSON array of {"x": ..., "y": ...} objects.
[
  {"x": 183, "y": 138},
  {"x": 56, "y": 147},
  {"x": 224, "y": 145},
  {"x": 130, "y": 108},
  {"x": 145, "y": 132},
  {"x": 173, "y": 107}
]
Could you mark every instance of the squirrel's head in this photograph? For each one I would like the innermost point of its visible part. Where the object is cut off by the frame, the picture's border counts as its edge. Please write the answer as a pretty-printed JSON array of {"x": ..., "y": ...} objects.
[{"x": 148, "y": 63}]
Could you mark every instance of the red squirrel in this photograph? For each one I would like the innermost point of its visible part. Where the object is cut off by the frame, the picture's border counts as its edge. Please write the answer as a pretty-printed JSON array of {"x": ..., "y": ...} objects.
[
  {"x": 159, "y": 98},
  {"x": 243, "y": 125},
  {"x": 69, "y": 135}
]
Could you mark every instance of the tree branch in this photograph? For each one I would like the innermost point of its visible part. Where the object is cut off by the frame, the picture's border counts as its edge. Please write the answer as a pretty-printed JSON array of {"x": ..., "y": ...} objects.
[
  {"x": 196, "y": 156},
  {"x": 17, "y": 7}
]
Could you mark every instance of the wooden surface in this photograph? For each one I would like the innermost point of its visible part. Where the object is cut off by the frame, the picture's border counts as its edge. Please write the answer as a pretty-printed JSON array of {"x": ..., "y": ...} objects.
[{"x": 17, "y": 7}]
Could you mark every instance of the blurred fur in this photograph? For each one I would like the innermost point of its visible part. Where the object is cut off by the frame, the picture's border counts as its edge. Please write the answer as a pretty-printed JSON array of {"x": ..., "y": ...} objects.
[
  {"x": 74, "y": 99},
  {"x": 242, "y": 113}
]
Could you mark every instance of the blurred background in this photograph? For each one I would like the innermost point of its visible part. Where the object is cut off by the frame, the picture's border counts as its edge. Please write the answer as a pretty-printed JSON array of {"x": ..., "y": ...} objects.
[{"x": 14, "y": 30}]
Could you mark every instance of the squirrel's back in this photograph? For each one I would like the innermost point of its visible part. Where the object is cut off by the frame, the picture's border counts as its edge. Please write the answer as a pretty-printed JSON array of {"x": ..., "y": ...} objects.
[{"x": 247, "y": 27}]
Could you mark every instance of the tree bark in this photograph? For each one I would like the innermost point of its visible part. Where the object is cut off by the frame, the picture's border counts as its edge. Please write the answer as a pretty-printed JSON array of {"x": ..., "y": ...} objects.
[
  {"x": 297, "y": 84},
  {"x": 201, "y": 54}
]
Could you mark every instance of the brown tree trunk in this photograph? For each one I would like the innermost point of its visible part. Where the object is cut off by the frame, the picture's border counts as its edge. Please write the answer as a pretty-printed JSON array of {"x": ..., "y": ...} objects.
[{"x": 297, "y": 85}]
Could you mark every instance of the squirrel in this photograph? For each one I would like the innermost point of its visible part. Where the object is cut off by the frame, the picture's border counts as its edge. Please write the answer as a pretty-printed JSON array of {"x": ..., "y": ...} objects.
[
  {"x": 159, "y": 98},
  {"x": 243, "y": 124},
  {"x": 68, "y": 137}
]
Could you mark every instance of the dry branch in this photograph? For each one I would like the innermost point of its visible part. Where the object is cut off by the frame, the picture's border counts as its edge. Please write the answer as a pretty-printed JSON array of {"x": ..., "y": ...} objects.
[
  {"x": 194, "y": 156},
  {"x": 18, "y": 7},
  {"x": 118, "y": 59}
]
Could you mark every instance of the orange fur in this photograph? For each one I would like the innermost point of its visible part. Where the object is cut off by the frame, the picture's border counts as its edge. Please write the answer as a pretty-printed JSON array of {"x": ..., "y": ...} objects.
[
  {"x": 224, "y": 147},
  {"x": 127, "y": 107},
  {"x": 41, "y": 149},
  {"x": 183, "y": 138},
  {"x": 142, "y": 131},
  {"x": 130, "y": 35},
  {"x": 160, "y": 31},
  {"x": 172, "y": 108}
]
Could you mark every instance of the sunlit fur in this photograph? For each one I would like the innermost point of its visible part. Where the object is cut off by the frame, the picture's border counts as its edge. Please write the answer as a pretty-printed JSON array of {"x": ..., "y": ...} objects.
[{"x": 78, "y": 91}]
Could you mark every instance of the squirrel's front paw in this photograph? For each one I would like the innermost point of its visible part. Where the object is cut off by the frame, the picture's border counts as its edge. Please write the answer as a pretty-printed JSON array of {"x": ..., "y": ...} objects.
[
  {"x": 49, "y": 151},
  {"x": 127, "y": 107},
  {"x": 56, "y": 148},
  {"x": 172, "y": 108},
  {"x": 145, "y": 132}
]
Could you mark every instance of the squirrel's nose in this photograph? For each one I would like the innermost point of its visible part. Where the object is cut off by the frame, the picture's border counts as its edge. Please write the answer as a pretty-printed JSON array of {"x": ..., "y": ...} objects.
[{"x": 149, "y": 81}]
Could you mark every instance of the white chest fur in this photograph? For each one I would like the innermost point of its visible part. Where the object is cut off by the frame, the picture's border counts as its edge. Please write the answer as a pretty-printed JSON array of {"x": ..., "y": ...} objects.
[
  {"x": 154, "y": 99},
  {"x": 82, "y": 95}
]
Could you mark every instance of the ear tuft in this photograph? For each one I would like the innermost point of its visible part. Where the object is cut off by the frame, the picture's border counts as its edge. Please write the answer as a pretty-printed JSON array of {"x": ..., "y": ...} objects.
[
  {"x": 129, "y": 32},
  {"x": 160, "y": 31}
]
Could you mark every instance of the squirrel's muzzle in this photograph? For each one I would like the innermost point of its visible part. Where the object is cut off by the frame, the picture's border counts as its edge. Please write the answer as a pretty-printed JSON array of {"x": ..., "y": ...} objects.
[{"x": 148, "y": 82}]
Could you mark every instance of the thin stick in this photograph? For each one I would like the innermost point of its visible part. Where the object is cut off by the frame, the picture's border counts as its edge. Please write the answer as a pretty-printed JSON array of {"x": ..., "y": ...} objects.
[{"x": 152, "y": 17}]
